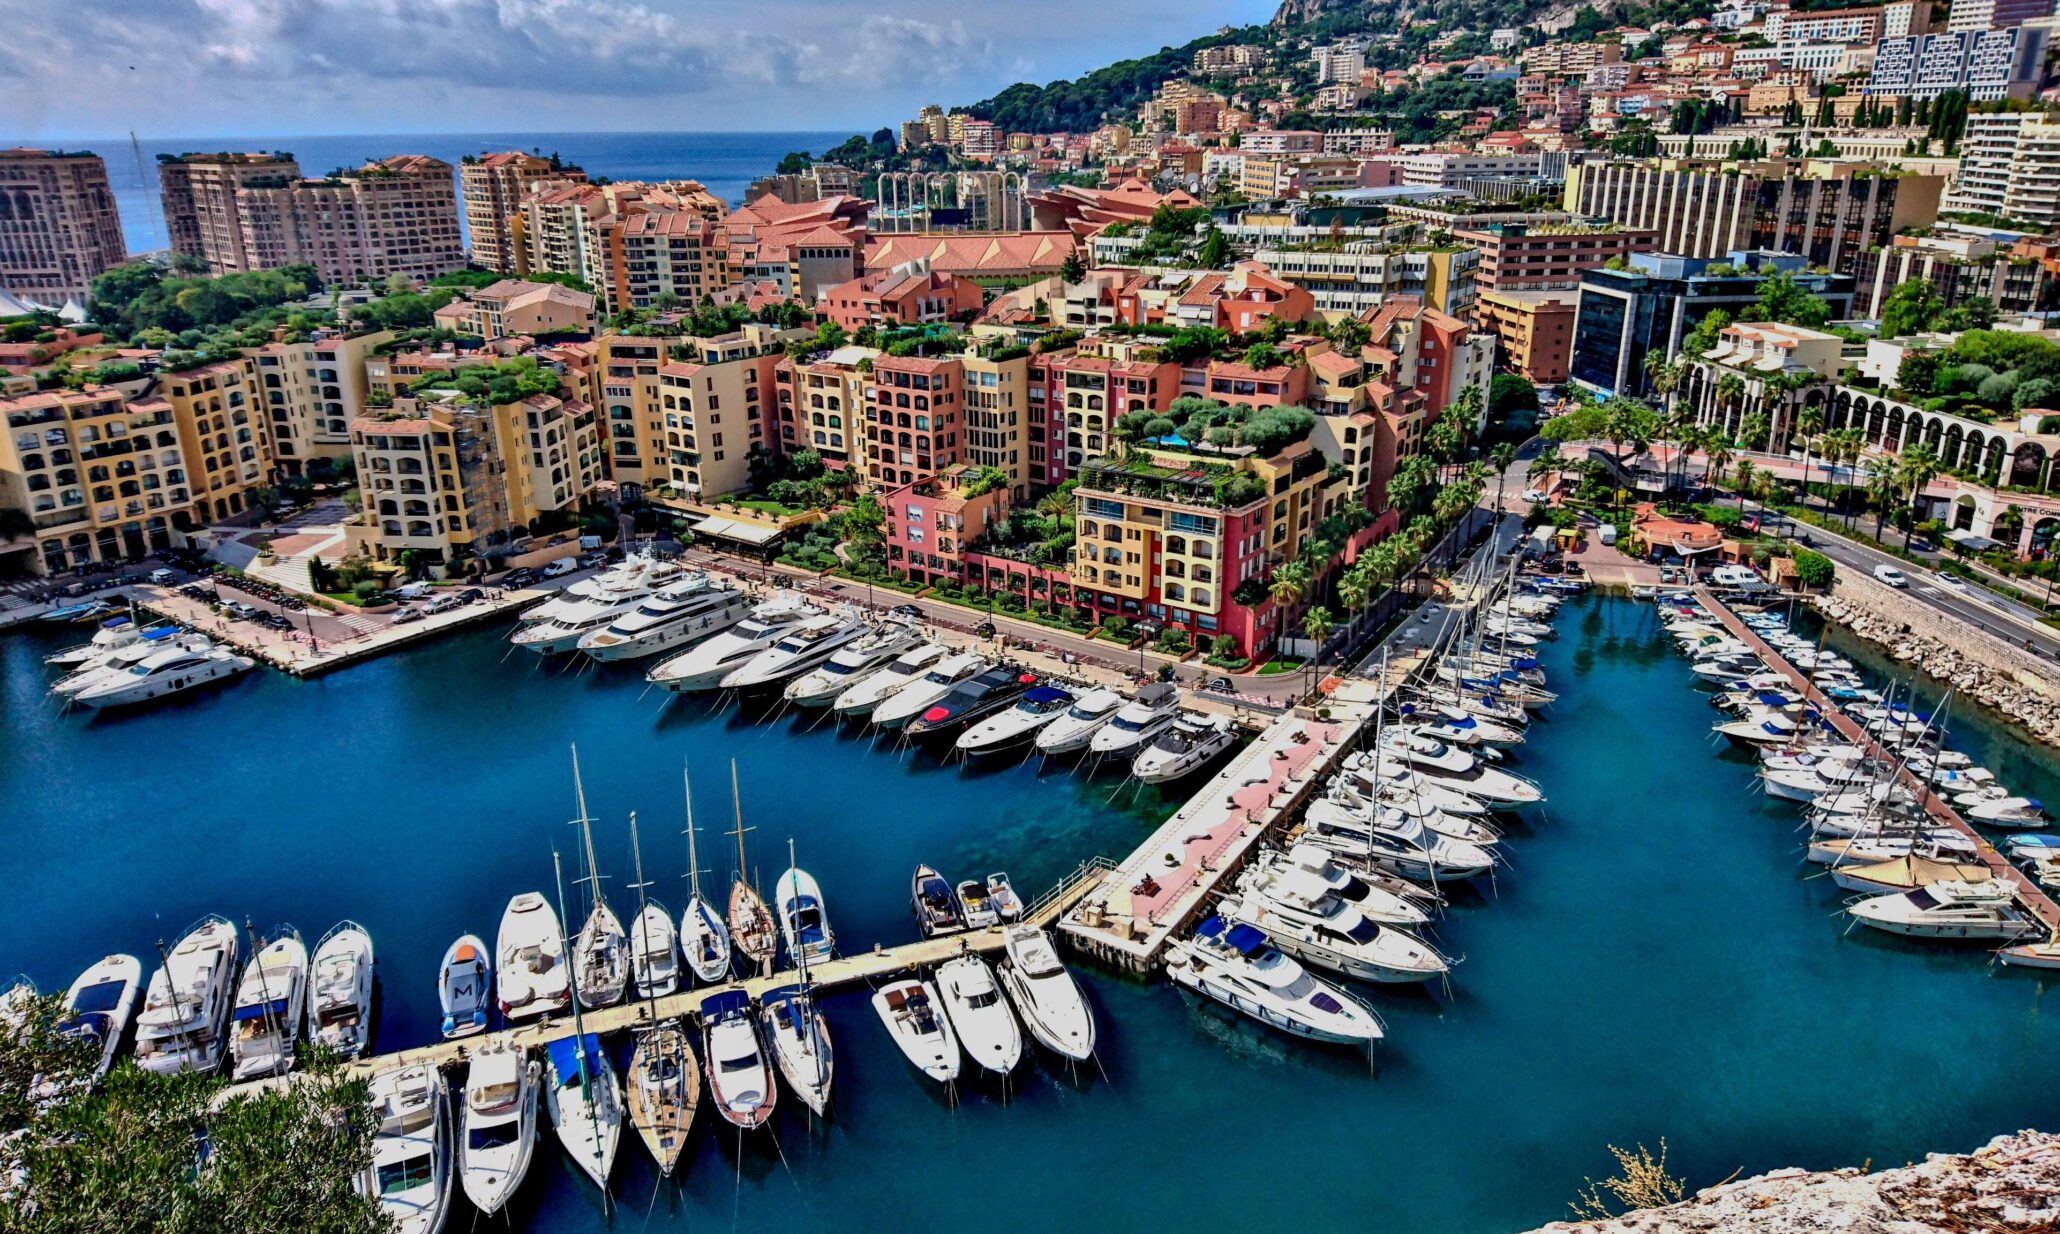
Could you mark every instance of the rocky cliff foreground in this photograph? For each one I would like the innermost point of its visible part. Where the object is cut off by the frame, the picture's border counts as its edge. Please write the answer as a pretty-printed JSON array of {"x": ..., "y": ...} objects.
[{"x": 2012, "y": 1186}]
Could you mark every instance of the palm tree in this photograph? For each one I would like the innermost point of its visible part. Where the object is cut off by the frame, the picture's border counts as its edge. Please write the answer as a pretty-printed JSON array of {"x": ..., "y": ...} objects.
[
  {"x": 1884, "y": 489},
  {"x": 1503, "y": 456},
  {"x": 1717, "y": 455},
  {"x": 1317, "y": 624},
  {"x": 1730, "y": 393},
  {"x": 1055, "y": 506},
  {"x": 1356, "y": 585},
  {"x": 1809, "y": 425},
  {"x": 1290, "y": 582},
  {"x": 1745, "y": 472},
  {"x": 1915, "y": 469}
]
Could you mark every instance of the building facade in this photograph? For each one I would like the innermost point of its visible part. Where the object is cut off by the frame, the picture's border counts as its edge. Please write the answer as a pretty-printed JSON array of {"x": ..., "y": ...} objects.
[
  {"x": 493, "y": 186},
  {"x": 58, "y": 225}
]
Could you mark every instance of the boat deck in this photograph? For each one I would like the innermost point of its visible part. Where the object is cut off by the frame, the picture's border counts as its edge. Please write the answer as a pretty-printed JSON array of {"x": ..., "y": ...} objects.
[
  {"x": 843, "y": 970},
  {"x": 2029, "y": 894}
]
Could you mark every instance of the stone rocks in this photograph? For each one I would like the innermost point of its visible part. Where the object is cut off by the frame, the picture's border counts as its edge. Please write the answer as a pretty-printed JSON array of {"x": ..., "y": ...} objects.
[{"x": 2012, "y": 1185}]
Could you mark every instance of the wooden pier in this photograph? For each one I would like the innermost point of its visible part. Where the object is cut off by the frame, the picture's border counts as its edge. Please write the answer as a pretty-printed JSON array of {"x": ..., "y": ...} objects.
[
  {"x": 843, "y": 970},
  {"x": 2029, "y": 894}
]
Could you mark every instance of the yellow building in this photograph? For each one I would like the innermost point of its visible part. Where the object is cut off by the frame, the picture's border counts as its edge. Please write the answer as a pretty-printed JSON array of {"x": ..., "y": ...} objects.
[
  {"x": 312, "y": 391},
  {"x": 100, "y": 478},
  {"x": 711, "y": 404},
  {"x": 224, "y": 434},
  {"x": 996, "y": 418}
]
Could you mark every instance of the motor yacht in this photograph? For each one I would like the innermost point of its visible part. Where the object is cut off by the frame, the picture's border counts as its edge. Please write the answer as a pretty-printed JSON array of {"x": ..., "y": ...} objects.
[
  {"x": 804, "y": 922},
  {"x": 464, "y": 987},
  {"x": 918, "y": 696},
  {"x": 1144, "y": 718},
  {"x": 271, "y": 1006},
  {"x": 800, "y": 1041},
  {"x": 1805, "y": 777},
  {"x": 672, "y": 620},
  {"x": 1376, "y": 776},
  {"x": 664, "y": 1091},
  {"x": 1235, "y": 965},
  {"x": 858, "y": 699},
  {"x": 935, "y": 904},
  {"x": 1391, "y": 840},
  {"x": 1188, "y": 745},
  {"x": 1362, "y": 793},
  {"x": 570, "y": 620},
  {"x": 1075, "y": 729},
  {"x": 1045, "y": 994},
  {"x": 584, "y": 1099},
  {"x": 634, "y": 573},
  {"x": 1002, "y": 894},
  {"x": 979, "y": 1015},
  {"x": 853, "y": 663},
  {"x": 738, "y": 1074},
  {"x": 976, "y": 905},
  {"x": 499, "y": 1124},
  {"x": 531, "y": 970},
  {"x": 174, "y": 670},
  {"x": 98, "y": 1005},
  {"x": 114, "y": 634},
  {"x": 2007, "y": 812},
  {"x": 340, "y": 1009},
  {"x": 184, "y": 1023},
  {"x": 1006, "y": 730},
  {"x": 1301, "y": 917},
  {"x": 654, "y": 954},
  {"x": 800, "y": 650},
  {"x": 114, "y": 665},
  {"x": 909, "y": 1009},
  {"x": 704, "y": 665},
  {"x": 989, "y": 691},
  {"x": 1311, "y": 862},
  {"x": 412, "y": 1151},
  {"x": 1984, "y": 911},
  {"x": 1460, "y": 728},
  {"x": 1457, "y": 769}
]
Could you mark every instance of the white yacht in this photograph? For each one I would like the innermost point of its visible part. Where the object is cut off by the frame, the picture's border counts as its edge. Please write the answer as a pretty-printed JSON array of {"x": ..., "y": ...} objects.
[
  {"x": 184, "y": 1024},
  {"x": 271, "y": 1007},
  {"x": 112, "y": 664},
  {"x": 412, "y": 1151},
  {"x": 584, "y": 1098},
  {"x": 854, "y": 662},
  {"x": 1374, "y": 776},
  {"x": 98, "y": 1005},
  {"x": 738, "y": 1074},
  {"x": 1459, "y": 727},
  {"x": 860, "y": 697},
  {"x": 1391, "y": 840},
  {"x": 601, "y": 958},
  {"x": 172, "y": 671},
  {"x": 1308, "y": 870},
  {"x": 800, "y": 1041},
  {"x": 1359, "y": 882},
  {"x": 1045, "y": 994},
  {"x": 979, "y": 1015},
  {"x": 499, "y": 1131},
  {"x": 1302, "y": 918},
  {"x": 673, "y": 619},
  {"x": 464, "y": 987},
  {"x": 804, "y": 922},
  {"x": 1984, "y": 911},
  {"x": 802, "y": 649},
  {"x": 568, "y": 620},
  {"x": 631, "y": 574},
  {"x": 1188, "y": 745},
  {"x": 1007, "y": 729},
  {"x": 2007, "y": 812},
  {"x": 532, "y": 976},
  {"x": 1236, "y": 966},
  {"x": 1457, "y": 769},
  {"x": 1145, "y": 717},
  {"x": 916, "y": 697},
  {"x": 703, "y": 666},
  {"x": 340, "y": 1010},
  {"x": 909, "y": 1008},
  {"x": 1075, "y": 730},
  {"x": 114, "y": 634},
  {"x": 654, "y": 955}
]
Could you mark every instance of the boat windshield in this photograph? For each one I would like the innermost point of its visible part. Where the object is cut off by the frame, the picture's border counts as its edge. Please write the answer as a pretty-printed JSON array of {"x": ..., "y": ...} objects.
[
  {"x": 942, "y": 677},
  {"x": 493, "y": 1135},
  {"x": 1087, "y": 711},
  {"x": 1130, "y": 724},
  {"x": 742, "y": 1062},
  {"x": 396, "y": 1177},
  {"x": 100, "y": 996},
  {"x": 1363, "y": 931}
]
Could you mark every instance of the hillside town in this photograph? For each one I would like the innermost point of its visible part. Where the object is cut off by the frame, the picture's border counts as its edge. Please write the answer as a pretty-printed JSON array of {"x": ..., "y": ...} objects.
[{"x": 1240, "y": 328}]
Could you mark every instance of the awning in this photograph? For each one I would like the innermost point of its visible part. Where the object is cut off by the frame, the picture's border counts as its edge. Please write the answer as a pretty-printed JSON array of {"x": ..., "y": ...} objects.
[
  {"x": 731, "y": 529},
  {"x": 274, "y": 1010}
]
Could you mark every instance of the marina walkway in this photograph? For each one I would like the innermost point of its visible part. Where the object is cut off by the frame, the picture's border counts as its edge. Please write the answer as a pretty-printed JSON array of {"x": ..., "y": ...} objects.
[
  {"x": 2029, "y": 894},
  {"x": 843, "y": 970}
]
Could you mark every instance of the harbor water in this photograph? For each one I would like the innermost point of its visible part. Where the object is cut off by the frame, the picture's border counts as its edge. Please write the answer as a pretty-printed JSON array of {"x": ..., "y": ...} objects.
[{"x": 1653, "y": 963}]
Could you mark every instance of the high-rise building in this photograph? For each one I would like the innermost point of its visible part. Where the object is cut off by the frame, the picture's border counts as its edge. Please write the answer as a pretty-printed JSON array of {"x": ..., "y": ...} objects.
[
  {"x": 494, "y": 186},
  {"x": 2010, "y": 167},
  {"x": 1994, "y": 14},
  {"x": 631, "y": 242},
  {"x": 2006, "y": 62},
  {"x": 242, "y": 212},
  {"x": 58, "y": 226},
  {"x": 203, "y": 213}
]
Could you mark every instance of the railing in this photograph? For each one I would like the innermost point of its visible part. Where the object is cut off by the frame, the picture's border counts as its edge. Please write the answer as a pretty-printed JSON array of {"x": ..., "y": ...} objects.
[{"x": 1094, "y": 868}]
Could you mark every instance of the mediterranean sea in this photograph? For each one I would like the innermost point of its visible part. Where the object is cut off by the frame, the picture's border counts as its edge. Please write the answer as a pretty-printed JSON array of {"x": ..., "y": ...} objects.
[
  {"x": 725, "y": 162},
  {"x": 1654, "y": 962}
]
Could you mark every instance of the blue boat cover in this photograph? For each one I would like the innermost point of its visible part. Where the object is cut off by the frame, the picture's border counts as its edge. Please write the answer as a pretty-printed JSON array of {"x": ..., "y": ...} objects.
[
  {"x": 777, "y": 993},
  {"x": 1770, "y": 699},
  {"x": 1526, "y": 661},
  {"x": 277, "y": 1008},
  {"x": 1245, "y": 939},
  {"x": 1461, "y": 722},
  {"x": 1409, "y": 709},
  {"x": 115, "y": 623},
  {"x": 1046, "y": 694},
  {"x": 153, "y": 636},
  {"x": 564, "y": 1054},
  {"x": 724, "y": 1003},
  {"x": 1211, "y": 927}
]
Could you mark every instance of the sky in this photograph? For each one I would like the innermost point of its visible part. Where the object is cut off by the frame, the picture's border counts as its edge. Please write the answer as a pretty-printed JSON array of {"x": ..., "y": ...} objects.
[{"x": 72, "y": 69}]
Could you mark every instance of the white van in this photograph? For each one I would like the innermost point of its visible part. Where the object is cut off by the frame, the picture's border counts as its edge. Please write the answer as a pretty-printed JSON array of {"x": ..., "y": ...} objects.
[{"x": 1890, "y": 575}]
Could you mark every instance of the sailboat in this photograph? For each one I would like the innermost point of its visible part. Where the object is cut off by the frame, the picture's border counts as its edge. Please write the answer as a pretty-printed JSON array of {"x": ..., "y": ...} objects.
[
  {"x": 796, "y": 1030},
  {"x": 600, "y": 955},
  {"x": 665, "y": 1086},
  {"x": 751, "y": 924},
  {"x": 581, "y": 1091},
  {"x": 704, "y": 941}
]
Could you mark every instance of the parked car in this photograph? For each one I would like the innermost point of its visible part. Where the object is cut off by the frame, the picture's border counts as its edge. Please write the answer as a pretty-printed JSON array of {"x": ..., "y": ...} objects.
[
  {"x": 521, "y": 576},
  {"x": 243, "y": 612},
  {"x": 274, "y": 621},
  {"x": 1950, "y": 583},
  {"x": 1223, "y": 685},
  {"x": 163, "y": 578},
  {"x": 442, "y": 604},
  {"x": 470, "y": 594},
  {"x": 907, "y": 610},
  {"x": 1534, "y": 495},
  {"x": 561, "y": 567},
  {"x": 1890, "y": 575},
  {"x": 407, "y": 615}
]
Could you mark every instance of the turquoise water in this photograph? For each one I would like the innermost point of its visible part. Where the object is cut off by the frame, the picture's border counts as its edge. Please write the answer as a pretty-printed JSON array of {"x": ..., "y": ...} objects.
[{"x": 1654, "y": 964}]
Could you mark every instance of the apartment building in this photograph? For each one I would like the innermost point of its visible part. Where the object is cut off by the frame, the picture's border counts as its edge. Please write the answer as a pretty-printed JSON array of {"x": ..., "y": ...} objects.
[
  {"x": 1281, "y": 141},
  {"x": 1962, "y": 267},
  {"x": 223, "y": 430},
  {"x": 1081, "y": 392},
  {"x": 2010, "y": 167},
  {"x": 1446, "y": 169},
  {"x": 915, "y": 418},
  {"x": 997, "y": 428},
  {"x": 58, "y": 224},
  {"x": 623, "y": 384},
  {"x": 1823, "y": 210},
  {"x": 635, "y": 244},
  {"x": 1977, "y": 15},
  {"x": 1531, "y": 257},
  {"x": 516, "y": 307},
  {"x": 101, "y": 479},
  {"x": 1339, "y": 62},
  {"x": 205, "y": 211},
  {"x": 906, "y": 295},
  {"x": 1229, "y": 60},
  {"x": 824, "y": 405},
  {"x": 311, "y": 392},
  {"x": 1992, "y": 64},
  {"x": 1363, "y": 274},
  {"x": 1536, "y": 329},
  {"x": 494, "y": 186},
  {"x": 714, "y": 407},
  {"x": 1867, "y": 24}
]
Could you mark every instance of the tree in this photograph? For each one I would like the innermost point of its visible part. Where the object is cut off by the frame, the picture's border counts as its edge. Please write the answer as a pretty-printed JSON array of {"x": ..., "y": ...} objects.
[
  {"x": 1884, "y": 489},
  {"x": 1215, "y": 253},
  {"x": 1072, "y": 269},
  {"x": 1782, "y": 299},
  {"x": 1317, "y": 624},
  {"x": 1910, "y": 309},
  {"x": 1916, "y": 468},
  {"x": 1503, "y": 456},
  {"x": 1289, "y": 584},
  {"x": 865, "y": 531},
  {"x": 1809, "y": 423},
  {"x": 1745, "y": 474},
  {"x": 1813, "y": 569}
]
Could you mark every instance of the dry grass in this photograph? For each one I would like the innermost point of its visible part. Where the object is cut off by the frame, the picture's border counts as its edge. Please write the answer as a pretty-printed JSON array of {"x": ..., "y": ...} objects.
[{"x": 1642, "y": 1181}]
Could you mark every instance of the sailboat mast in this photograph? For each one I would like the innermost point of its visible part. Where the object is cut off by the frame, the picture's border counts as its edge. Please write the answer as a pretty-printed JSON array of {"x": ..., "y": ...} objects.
[
  {"x": 579, "y": 1029},
  {"x": 636, "y": 849},
  {"x": 737, "y": 807},
  {"x": 586, "y": 835},
  {"x": 693, "y": 851}
]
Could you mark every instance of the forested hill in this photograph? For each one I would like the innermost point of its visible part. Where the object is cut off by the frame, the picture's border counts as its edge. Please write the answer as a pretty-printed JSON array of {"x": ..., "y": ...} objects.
[{"x": 1082, "y": 103}]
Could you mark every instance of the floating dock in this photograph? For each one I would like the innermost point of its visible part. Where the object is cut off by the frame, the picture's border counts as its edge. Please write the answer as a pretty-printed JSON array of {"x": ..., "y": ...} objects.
[{"x": 2029, "y": 894}]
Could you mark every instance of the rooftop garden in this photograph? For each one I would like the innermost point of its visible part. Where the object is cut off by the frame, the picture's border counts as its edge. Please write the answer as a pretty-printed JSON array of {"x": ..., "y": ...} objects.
[
  {"x": 509, "y": 381},
  {"x": 1040, "y": 535},
  {"x": 1983, "y": 375},
  {"x": 1193, "y": 422}
]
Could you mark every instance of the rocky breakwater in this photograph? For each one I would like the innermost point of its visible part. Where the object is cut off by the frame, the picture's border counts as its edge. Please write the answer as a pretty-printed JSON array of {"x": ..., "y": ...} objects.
[
  {"x": 2023, "y": 687},
  {"x": 2011, "y": 1186}
]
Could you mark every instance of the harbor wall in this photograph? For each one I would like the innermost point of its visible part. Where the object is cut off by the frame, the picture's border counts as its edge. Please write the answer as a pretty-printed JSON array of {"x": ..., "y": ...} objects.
[
  {"x": 2011, "y": 1183},
  {"x": 2020, "y": 684}
]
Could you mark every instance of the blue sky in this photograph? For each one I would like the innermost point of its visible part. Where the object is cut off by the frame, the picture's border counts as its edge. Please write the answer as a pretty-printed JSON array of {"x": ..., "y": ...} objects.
[{"x": 198, "y": 68}]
